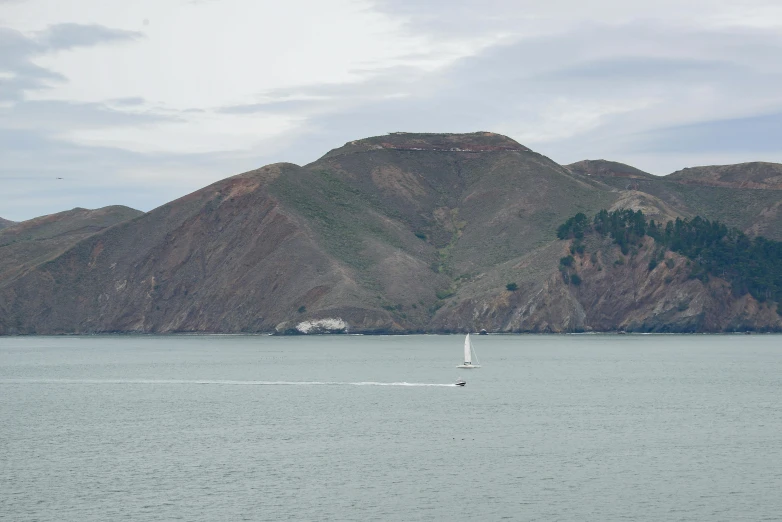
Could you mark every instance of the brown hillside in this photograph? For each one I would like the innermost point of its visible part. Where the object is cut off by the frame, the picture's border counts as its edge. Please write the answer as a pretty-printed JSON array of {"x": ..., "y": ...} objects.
[
  {"x": 755, "y": 175},
  {"x": 30, "y": 243},
  {"x": 617, "y": 292},
  {"x": 398, "y": 233},
  {"x": 612, "y": 169},
  {"x": 225, "y": 258}
]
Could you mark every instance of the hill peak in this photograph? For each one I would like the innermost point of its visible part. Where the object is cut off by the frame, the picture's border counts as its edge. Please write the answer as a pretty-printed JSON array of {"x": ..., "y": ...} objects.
[
  {"x": 442, "y": 142},
  {"x": 607, "y": 168}
]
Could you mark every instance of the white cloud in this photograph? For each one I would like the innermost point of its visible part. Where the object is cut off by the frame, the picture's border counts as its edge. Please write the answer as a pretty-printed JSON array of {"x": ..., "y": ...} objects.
[
  {"x": 202, "y": 132},
  {"x": 135, "y": 101},
  {"x": 563, "y": 118},
  {"x": 765, "y": 15},
  {"x": 216, "y": 53}
]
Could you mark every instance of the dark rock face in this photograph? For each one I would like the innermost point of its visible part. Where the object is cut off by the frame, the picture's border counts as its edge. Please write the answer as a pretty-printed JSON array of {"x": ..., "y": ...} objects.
[{"x": 398, "y": 233}]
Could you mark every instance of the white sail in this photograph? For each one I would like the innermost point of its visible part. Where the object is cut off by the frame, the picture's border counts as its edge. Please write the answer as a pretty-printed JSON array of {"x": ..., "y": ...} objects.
[{"x": 468, "y": 353}]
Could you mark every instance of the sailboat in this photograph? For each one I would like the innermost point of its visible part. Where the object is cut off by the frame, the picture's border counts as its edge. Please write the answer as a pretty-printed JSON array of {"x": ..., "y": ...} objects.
[{"x": 468, "y": 353}]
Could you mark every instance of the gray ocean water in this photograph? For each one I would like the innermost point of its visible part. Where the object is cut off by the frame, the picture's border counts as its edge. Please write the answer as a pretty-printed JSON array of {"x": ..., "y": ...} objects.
[{"x": 211, "y": 428}]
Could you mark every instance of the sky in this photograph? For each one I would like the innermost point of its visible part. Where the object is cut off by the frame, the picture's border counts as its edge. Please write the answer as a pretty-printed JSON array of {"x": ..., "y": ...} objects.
[{"x": 138, "y": 103}]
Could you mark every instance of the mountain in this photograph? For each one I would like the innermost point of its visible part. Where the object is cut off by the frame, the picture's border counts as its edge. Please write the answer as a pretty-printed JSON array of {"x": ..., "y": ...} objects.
[
  {"x": 29, "y": 243},
  {"x": 398, "y": 233},
  {"x": 5, "y": 223},
  {"x": 603, "y": 168}
]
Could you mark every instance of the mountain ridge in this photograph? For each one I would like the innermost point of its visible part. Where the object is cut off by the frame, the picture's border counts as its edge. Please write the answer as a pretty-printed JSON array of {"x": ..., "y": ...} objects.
[
  {"x": 29, "y": 243},
  {"x": 751, "y": 175},
  {"x": 406, "y": 232},
  {"x": 433, "y": 142}
]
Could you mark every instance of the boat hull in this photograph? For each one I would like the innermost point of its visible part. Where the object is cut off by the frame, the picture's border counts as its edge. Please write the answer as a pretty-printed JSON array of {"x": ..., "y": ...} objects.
[{"x": 469, "y": 366}]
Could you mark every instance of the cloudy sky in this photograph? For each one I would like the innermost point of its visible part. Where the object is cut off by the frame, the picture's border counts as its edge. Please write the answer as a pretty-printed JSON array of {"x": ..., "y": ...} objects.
[{"x": 137, "y": 103}]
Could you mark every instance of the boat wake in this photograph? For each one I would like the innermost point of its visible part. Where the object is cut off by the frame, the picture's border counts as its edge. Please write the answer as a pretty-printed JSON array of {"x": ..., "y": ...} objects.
[{"x": 217, "y": 383}]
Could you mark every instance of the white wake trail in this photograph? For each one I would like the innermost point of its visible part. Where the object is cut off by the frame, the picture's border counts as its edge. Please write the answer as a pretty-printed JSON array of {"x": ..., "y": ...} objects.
[{"x": 217, "y": 382}]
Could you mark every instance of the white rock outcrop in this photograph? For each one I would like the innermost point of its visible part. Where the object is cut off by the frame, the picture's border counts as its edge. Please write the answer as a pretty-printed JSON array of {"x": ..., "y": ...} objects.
[{"x": 327, "y": 325}]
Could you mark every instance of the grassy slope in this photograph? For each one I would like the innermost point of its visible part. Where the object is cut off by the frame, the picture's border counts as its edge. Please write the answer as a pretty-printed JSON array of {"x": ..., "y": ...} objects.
[
  {"x": 372, "y": 234},
  {"x": 743, "y": 175},
  {"x": 752, "y": 210},
  {"x": 515, "y": 206},
  {"x": 474, "y": 214}
]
